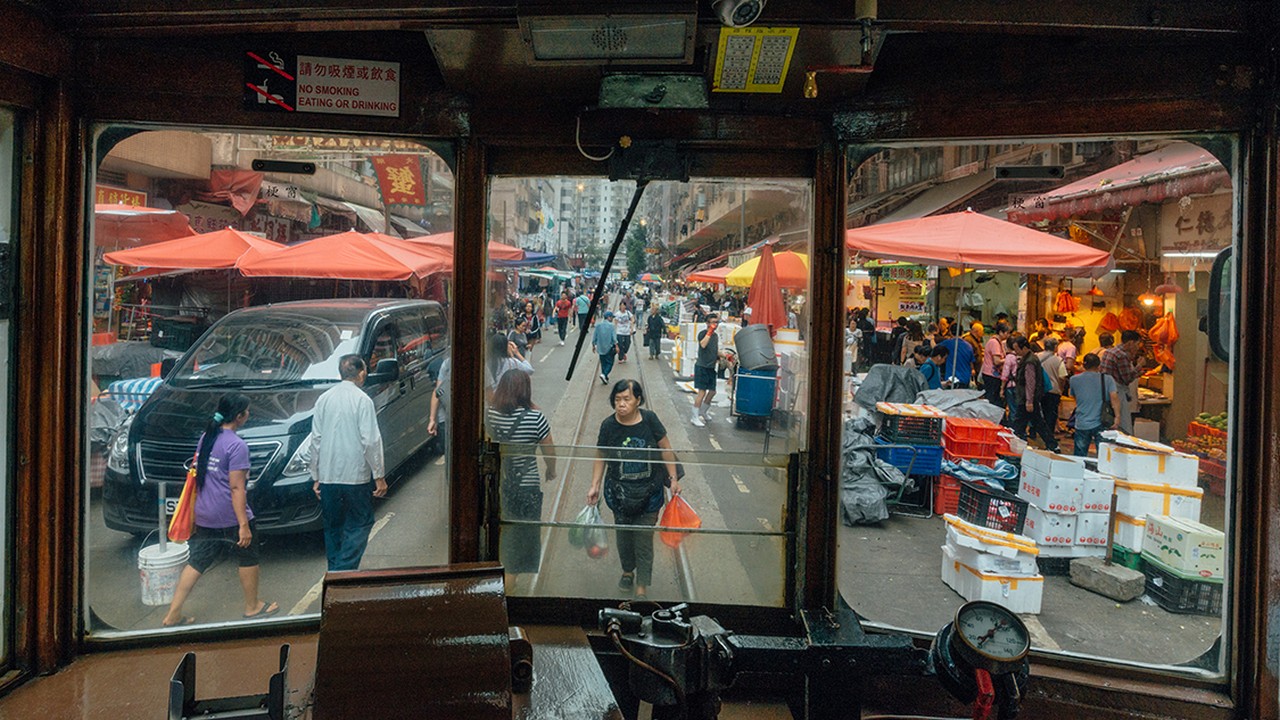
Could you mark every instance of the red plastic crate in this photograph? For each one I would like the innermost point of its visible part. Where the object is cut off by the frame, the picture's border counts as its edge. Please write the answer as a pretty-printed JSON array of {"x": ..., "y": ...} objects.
[
  {"x": 972, "y": 430},
  {"x": 971, "y": 448},
  {"x": 946, "y": 495},
  {"x": 988, "y": 460}
]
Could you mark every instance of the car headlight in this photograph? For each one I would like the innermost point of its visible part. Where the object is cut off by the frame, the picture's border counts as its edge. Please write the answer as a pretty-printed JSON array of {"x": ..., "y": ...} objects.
[
  {"x": 118, "y": 449},
  {"x": 299, "y": 465}
]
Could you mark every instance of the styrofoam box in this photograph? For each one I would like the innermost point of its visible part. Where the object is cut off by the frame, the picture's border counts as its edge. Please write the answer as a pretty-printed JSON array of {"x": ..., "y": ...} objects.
[
  {"x": 1048, "y": 528},
  {"x": 1018, "y": 594},
  {"x": 1052, "y": 493},
  {"x": 990, "y": 551},
  {"x": 1185, "y": 545},
  {"x": 1128, "y": 530},
  {"x": 1153, "y": 468},
  {"x": 1052, "y": 464},
  {"x": 1091, "y": 529},
  {"x": 1071, "y": 551},
  {"x": 1096, "y": 492},
  {"x": 1137, "y": 499}
]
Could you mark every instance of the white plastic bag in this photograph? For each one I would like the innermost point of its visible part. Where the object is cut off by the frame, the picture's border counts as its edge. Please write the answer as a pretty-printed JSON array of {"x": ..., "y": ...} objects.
[
  {"x": 596, "y": 538},
  {"x": 578, "y": 534}
]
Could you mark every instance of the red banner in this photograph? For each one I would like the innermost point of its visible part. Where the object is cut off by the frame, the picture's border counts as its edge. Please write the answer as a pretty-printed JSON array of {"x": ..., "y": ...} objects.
[{"x": 400, "y": 179}]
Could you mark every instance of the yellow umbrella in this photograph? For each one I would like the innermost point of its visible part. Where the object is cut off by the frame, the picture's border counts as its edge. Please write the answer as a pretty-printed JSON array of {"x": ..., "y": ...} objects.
[{"x": 793, "y": 271}]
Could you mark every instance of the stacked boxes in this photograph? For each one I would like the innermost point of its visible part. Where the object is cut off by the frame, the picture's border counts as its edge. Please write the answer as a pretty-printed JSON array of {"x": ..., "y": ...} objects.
[
  {"x": 984, "y": 564},
  {"x": 1185, "y": 546},
  {"x": 1149, "y": 483},
  {"x": 1069, "y": 510},
  {"x": 972, "y": 439}
]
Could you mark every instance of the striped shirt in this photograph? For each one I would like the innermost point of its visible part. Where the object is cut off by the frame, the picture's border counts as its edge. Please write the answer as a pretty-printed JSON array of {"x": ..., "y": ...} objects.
[{"x": 521, "y": 427}]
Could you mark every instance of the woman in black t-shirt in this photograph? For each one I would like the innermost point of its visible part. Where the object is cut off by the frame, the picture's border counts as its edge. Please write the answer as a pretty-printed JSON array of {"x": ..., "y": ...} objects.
[{"x": 633, "y": 465}]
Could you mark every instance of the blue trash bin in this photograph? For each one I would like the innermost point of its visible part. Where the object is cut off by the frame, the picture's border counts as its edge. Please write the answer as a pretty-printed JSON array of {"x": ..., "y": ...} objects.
[{"x": 754, "y": 393}]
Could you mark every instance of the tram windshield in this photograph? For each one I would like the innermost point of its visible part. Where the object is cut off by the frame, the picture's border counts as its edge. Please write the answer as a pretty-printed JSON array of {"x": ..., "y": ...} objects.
[{"x": 1109, "y": 536}]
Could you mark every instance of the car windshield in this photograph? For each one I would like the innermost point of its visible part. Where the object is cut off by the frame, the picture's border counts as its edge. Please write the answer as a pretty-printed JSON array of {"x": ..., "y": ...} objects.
[{"x": 256, "y": 349}]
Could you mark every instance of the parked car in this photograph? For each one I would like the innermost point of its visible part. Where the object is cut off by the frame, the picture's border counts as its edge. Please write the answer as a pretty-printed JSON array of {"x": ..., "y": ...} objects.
[{"x": 283, "y": 357}]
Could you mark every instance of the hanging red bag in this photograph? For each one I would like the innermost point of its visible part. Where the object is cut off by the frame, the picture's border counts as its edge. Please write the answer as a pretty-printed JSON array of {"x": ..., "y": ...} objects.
[
  {"x": 677, "y": 514},
  {"x": 183, "y": 522}
]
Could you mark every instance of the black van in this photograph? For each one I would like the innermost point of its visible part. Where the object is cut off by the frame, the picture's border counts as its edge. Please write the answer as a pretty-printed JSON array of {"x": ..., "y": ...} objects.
[{"x": 283, "y": 357}]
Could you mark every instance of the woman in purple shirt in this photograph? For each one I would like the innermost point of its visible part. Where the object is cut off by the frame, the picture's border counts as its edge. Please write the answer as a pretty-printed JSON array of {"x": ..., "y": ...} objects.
[{"x": 224, "y": 522}]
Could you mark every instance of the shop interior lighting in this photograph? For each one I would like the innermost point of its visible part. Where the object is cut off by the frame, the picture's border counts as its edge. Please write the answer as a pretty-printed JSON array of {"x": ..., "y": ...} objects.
[{"x": 1190, "y": 254}]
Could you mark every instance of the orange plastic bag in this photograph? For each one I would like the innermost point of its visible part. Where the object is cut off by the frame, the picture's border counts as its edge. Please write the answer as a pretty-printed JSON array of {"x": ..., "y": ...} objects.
[
  {"x": 677, "y": 514},
  {"x": 1109, "y": 323},
  {"x": 183, "y": 521}
]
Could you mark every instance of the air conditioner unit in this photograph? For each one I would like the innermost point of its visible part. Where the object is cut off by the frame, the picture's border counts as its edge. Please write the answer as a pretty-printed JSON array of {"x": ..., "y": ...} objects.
[{"x": 577, "y": 32}]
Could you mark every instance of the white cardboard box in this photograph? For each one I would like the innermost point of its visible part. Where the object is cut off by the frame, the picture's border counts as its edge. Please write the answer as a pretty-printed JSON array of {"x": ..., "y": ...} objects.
[
  {"x": 1128, "y": 530},
  {"x": 1137, "y": 499},
  {"x": 1091, "y": 529},
  {"x": 1050, "y": 492},
  {"x": 1146, "y": 429},
  {"x": 1052, "y": 464},
  {"x": 1048, "y": 528},
  {"x": 1018, "y": 594},
  {"x": 1185, "y": 545},
  {"x": 1144, "y": 466},
  {"x": 1096, "y": 492},
  {"x": 990, "y": 551}
]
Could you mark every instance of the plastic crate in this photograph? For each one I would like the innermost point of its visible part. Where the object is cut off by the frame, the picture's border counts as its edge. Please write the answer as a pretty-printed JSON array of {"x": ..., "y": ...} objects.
[
  {"x": 924, "y": 460},
  {"x": 991, "y": 508},
  {"x": 1196, "y": 428},
  {"x": 1121, "y": 555},
  {"x": 1179, "y": 594},
  {"x": 946, "y": 495},
  {"x": 912, "y": 429},
  {"x": 970, "y": 448},
  {"x": 1055, "y": 566},
  {"x": 972, "y": 430},
  {"x": 989, "y": 461}
]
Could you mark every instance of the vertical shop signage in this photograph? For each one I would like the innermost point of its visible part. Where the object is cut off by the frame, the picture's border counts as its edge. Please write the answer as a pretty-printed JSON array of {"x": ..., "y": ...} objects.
[
  {"x": 278, "y": 82},
  {"x": 400, "y": 179}
]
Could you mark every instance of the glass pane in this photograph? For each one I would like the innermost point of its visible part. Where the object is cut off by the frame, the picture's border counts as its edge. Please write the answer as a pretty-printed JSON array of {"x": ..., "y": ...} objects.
[
  {"x": 1106, "y": 291},
  {"x": 560, "y": 437},
  {"x": 295, "y": 281},
  {"x": 8, "y": 234}
]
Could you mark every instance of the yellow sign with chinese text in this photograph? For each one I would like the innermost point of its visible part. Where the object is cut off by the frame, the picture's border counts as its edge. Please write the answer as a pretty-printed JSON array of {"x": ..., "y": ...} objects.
[{"x": 753, "y": 59}]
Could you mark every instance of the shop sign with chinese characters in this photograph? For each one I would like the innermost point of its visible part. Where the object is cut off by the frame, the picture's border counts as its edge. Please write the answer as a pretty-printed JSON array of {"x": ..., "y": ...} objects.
[
  {"x": 1196, "y": 224},
  {"x": 107, "y": 195}
]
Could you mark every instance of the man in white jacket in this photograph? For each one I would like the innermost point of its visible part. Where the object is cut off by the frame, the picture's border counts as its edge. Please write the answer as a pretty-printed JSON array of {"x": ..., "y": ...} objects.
[{"x": 346, "y": 451}]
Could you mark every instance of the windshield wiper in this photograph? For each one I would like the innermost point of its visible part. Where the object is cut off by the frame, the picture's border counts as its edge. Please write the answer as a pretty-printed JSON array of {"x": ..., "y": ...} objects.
[
  {"x": 210, "y": 382},
  {"x": 304, "y": 382}
]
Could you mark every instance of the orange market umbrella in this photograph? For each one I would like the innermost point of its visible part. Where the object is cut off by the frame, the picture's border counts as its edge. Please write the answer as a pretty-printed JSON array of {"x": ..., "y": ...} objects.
[
  {"x": 123, "y": 226},
  {"x": 715, "y": 276},
  {"x": 792, "y": 269},
  {"x": 497, "y": 250},
  {"x": 215, "y": 250},
  {"x": 765, "y": 298},
  {"x": 349, "y": 256}
]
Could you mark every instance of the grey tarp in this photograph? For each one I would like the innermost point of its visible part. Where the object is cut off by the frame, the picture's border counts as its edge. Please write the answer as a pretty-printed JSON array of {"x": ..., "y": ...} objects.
[
  {"x": 890, "y": 383},
  {"x": 961, "y": 403},
  {"x": 863, "y": 477}
]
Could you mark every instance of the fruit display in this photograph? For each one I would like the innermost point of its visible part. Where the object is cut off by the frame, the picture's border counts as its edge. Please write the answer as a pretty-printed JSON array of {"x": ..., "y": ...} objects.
[
  {"x": 1217, "y": 422},
  {"x": 1206, "y": 437}
]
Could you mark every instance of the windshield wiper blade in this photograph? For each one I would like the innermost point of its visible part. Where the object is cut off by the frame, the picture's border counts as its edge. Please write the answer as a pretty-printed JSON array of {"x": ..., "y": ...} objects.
[
  {"x": 208, "y": 383},
  {"x": 290, "y": 383}
]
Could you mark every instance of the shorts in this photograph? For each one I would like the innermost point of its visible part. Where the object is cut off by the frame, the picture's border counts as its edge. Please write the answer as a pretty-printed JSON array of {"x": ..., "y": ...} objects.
[
  {"x": 210, "y": 545},
  {"x": 704, "y": 378}
]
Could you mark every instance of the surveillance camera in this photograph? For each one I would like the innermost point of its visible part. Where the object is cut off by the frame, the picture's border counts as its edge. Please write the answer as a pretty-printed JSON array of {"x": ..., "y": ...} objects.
[{"x": 738, "y": 13}]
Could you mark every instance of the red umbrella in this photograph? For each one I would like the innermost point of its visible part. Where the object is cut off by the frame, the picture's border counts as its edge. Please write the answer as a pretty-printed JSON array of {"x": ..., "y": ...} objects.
[
  {"x": 349, "y": 256},
  {"x": 216, "y": 250},
  {"x": 121, "y": 226},
  {"x": 765, "y": 298}
]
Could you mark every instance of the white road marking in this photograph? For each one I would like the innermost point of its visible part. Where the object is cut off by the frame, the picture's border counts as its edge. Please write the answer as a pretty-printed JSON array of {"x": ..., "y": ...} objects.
[
  {"x": 1039, "y": 636},
  {"x": 764, "y": 522},
  {"x": 711, "y": 439},
  {"x": 314, "y": 593},
  {"x": 742, "y": 487},
  {"x": 544, "y": 357}
]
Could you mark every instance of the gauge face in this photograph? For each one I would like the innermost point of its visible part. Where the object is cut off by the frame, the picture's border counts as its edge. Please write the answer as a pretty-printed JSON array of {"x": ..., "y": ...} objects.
[{"x": 992, "y": 631}]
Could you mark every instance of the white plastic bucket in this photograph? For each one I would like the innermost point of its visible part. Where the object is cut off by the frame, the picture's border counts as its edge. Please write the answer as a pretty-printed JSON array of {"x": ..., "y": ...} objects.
[{"x": 160, "y": 571}]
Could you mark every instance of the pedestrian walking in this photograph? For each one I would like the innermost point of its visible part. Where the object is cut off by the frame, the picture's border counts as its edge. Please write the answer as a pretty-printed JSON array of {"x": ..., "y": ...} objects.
[
  {"x": 633, "y": 464},
  {"x": 563, "y": 308},
  {"x": 1122, "y": 362},
  {"x": 1029, "y": 388},
  {"x": 624, "y": 321},
  {"x": 520, "y": 336},
  {"x": 704, "y": 371},
  {"x": 1055, "y": 372},
  {"x": 605, "y": 341},
  {"x": 512, "y": 419},
  {"x": 346, "y": 451},
  {"x": 583, "y": 306},
  {"x": 993, "y": 363},
  {"x": 1093, "y": 390},
  {"x": 534, "y": 331},
  {"x": 224, "y": 520},
  {"x": 655, "y": 328},
  {"x": 502, "y": 355},
  {"x": 441, "y": 402}
]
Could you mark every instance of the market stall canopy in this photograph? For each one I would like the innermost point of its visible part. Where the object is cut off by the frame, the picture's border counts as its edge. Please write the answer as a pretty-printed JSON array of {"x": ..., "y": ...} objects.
[
  {"x": 973, "y": 240},
  {"x": 1174, "y": 171},
  {"x": 215, "y": 250},
  {"x": 651, "y": 277},
  {"x": 716, "y": 275},
  {"x": 497, "y": 250},
  {"x": 126, "y": 226},
  {"x": 792, "y": 271},
  {"x": 349, "y": 256}
]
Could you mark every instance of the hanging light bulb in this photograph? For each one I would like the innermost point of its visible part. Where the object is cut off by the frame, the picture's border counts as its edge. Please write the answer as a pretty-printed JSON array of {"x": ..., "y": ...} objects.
[{"x": 1148, "y": 299}]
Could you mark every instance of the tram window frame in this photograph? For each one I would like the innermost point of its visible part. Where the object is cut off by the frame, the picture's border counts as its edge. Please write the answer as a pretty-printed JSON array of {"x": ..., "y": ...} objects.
[
  {"x": 1228, "y": 149},
  {"x": 101, "y": 138}
]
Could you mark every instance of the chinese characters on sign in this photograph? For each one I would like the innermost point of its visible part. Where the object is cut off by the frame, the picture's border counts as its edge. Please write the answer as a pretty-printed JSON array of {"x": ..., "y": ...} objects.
[
  {"x": 348, "y": 87},
  {"x": 1196, "y": 224},
  {"x": 400, "y": 179},
  {"x": 107, "y": 195},
  {"x": 911, "y": 272}
]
